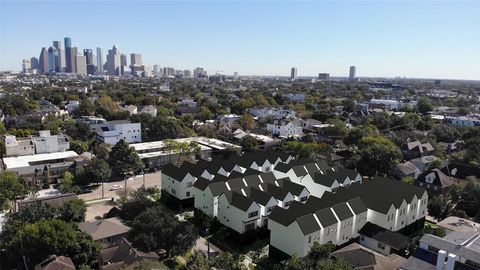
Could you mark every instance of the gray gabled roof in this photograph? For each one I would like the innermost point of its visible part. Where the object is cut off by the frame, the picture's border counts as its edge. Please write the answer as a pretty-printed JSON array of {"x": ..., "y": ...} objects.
[
  {"x": 268, "y": 177},
  {"x": 342, "y": 211},
  {"x": 308, "y": 224},
  {"x": 326, "y": 217},
  {"x": 238, "y": 200},
  {"x": 201, "y": 183},
  {"x": 252, "y": 180},
  {"x": 258, "y": 196},
  {"x": 294, "y": 188}
]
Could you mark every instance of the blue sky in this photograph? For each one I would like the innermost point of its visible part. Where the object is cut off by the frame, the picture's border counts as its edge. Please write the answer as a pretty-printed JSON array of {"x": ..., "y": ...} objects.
[{"x": 423, "y": 39}]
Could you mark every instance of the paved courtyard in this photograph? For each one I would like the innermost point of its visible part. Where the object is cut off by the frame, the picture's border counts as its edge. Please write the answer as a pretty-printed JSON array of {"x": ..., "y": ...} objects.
[{"x": 151, "y": 180}]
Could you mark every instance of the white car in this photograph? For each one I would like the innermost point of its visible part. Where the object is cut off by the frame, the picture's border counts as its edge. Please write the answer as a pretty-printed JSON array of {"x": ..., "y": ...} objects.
[{"x": 116, "y": 187}]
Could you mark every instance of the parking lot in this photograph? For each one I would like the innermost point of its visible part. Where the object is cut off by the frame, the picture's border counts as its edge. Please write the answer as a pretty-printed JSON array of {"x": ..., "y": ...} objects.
[{"x": 151, "y": 180}]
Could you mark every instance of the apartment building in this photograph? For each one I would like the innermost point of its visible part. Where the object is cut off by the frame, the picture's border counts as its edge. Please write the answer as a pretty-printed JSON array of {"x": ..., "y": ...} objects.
[
  {"x": 41, "y": 144},
  {"x": 113, "y": 131},
  {"x": 285, "y": 129}
]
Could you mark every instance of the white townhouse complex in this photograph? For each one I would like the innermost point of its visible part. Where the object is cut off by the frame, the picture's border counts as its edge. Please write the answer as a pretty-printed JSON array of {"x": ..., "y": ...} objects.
[
  {"x": 298, "y": 202},
  {"x": 285, "y": 129},
  {"x": 113, "y": 131},
  {"x": 338, "y": 217}
]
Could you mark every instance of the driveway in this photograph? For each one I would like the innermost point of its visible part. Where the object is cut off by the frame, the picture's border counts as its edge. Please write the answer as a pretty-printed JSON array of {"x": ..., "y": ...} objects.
[{"x": 151, "y": 180}]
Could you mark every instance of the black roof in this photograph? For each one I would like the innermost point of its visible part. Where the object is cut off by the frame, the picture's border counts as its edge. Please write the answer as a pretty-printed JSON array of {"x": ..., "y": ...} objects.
[
  {"x": 462, "y": 171},
  {"x": 201, "y": 183},
  {"x": 326, "y": 217},
  {"x": 277, "y": 192},
  {"x": 342, "y": 211},
  {"x": 194, "y": 170},
  {"x": 318, "y": 203},
  {"x": 236, "y": 184},
  {"x": 311, "y": 168},
  {"x": 308, "y": 224},
  {"x": 393, "y": 239},
  {"x": 283, "y": 216},
  {"x": 294, "y": 188},
  {"x": 359, "y": 258},
  {"x": 357, "y": 205},
  {"x": 174, "y": 172},
  {"x": 283, "y": 167},
  {"x": 299, "y": 170},
  {"x": 325, "y": 179},
  {"x": 238, "y": 200},
  {"x": 301, "y": 208},
  {"x": 268, "y": 177},
  {"x": 258, "y": 196},
  {"x": 252, "y": 180},
  {"x": 217, "y": 188}
]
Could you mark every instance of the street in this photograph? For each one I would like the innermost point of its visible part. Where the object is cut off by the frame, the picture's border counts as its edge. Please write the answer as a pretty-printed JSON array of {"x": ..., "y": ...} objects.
[{"x": 151, "y": 180}]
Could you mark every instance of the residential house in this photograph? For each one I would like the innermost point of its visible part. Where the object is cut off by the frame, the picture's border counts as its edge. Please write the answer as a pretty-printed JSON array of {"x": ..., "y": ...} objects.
[
  {"x": 123, "y": 255},
  {"x": 417, "y": 149},
  {"x": 405, "y": 169},
  {"x": 56, "y": 263},
  {"x": 435, "y": 180},
  {"x": 457, "y": 250},
  {"x": 382, "y": 240},
  {"x": 106, "y": 232},
  {"x": 149, "y": 109},
  {"x": 285, "y": 129}
]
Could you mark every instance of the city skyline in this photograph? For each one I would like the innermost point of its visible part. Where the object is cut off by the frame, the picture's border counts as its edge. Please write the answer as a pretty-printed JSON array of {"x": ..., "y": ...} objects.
[{"x": 266, "y": 38}]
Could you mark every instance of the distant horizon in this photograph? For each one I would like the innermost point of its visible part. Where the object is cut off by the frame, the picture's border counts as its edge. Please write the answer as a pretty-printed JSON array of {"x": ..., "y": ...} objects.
[{"x": 415, "y": 40}]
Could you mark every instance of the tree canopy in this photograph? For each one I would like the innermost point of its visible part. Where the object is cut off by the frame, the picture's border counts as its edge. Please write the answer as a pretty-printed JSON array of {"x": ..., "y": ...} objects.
[{"x": 124, "y": 160}]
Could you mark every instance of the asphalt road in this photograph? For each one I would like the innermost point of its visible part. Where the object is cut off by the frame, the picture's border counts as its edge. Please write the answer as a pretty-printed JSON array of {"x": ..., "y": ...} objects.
[{"x": 151, "y": 180}]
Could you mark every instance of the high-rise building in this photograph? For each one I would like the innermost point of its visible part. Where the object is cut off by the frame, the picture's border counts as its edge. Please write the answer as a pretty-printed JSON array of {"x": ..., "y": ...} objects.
[
  {"x": 323, "y": 76},
  {"x": 43, "y": 61},
  {"x": 71, "y": 53},
  {"x": 293, "y": 73},
  {"x": 113, "y": 61},
  {"x": 60, "y": 60},
  {"x": 147, "y": 71},
  {"x": 123, "y": 63},
  {"x": 187, "y": 73},
  {"x": 351, "y": 75},
  {"x": 88, "y": 53},
  {"x": 136, "y": 65},
  {"x": 52, "y": 59},
  {"x": 99, "y": 60},
  {"x": 81, "y": 64},
  {"x": 157, "y": 70},
  {"x": 199, "y": 73},
  {"x": 68, "y": 54},
  {"x": 26, "y": 66},
  {"x": 34, "y": 62}
]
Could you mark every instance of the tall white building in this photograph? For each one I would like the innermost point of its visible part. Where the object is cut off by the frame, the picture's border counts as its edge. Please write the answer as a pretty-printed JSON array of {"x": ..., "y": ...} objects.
[
  {"x": 99, "y": 60},
  {"x": 113, "y": 62},
  {"x": 81, "y": 63},
  {"x": 293, "y": 73},
  {"x": 26, "y": 65}
]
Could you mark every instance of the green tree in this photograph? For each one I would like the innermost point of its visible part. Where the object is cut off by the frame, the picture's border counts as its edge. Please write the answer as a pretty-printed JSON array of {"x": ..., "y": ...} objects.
[
  {"x": 98, "y": 170},
  {"x": 156, "y": 229},
  {"x": 73, "y": 211},
  {"x": 36, "y": 241},
  {"x": 437, "y": 207},
  {"x": 67, "y": 183},
  {"x": 424, "y": 105},
  {"x": 11, "y": 188},
  {"x": 85, "y": 108},
  {"x": 205, "y": 114},
  {"x": 246, "y": 121},
  {"x": 337, "y": 128},
  {"x": 408, "y": 180},
  {"x": 249, "y": 144},
  {"x": 138, "y": 199},
  {"x": 376, "y": 155},
  {"x": 197, "y": 261},
  {"x": 227, "y": 260},
  {"x": 123, "y": 160}
]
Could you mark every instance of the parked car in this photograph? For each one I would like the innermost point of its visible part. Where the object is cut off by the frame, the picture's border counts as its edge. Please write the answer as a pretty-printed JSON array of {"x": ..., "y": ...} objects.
[{"x": 116, "y": 187}]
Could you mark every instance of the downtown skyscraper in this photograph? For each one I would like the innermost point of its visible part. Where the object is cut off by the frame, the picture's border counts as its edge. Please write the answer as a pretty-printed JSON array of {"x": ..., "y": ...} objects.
[
  {"x": 113, "y": 62},
  {"x": 293, "y": 73},
  {"x": 43, "y": 61},
  {"x": 69, "y": 66},
  {"x": 99, "y": 60},
  {"x": 60, "y": 60}
]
